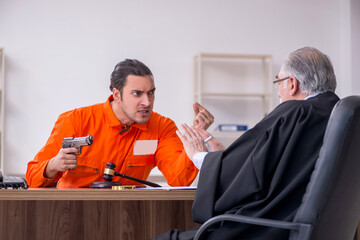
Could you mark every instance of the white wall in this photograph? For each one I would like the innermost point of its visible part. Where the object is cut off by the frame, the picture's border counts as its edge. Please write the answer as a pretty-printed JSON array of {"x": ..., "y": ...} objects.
[
  {"x": 355, "y": 46},
  {"x": 59, "y": 54}
]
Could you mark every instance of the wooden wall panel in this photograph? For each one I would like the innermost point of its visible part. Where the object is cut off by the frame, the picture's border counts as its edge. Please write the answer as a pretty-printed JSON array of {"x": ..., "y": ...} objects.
[{"x": 94, "y": 219}]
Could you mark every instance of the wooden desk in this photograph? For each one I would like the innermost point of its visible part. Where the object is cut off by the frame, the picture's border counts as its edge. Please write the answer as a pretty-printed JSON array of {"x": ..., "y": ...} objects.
[{"x": 93, "y": 213}]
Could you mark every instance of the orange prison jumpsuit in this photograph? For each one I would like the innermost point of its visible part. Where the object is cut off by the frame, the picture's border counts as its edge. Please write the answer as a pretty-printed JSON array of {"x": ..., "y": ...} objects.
[{"x": 167, "y": 152}]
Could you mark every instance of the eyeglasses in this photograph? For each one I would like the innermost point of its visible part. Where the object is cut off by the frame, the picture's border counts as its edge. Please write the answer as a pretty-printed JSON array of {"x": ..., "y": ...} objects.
[{"x": 281, "y": 79}]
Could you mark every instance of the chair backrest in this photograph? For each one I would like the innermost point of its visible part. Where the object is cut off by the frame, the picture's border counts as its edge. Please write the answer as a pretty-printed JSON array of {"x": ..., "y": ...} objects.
[{"x": 331, "y": 203}]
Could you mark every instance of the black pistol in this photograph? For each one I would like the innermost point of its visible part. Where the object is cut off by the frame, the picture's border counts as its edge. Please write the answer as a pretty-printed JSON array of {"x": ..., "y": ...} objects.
[{"x": 77, "y": 142}]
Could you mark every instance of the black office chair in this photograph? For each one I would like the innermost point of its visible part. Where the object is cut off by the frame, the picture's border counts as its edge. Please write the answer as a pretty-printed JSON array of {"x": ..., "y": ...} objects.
[{"x": 330, "y": 207}]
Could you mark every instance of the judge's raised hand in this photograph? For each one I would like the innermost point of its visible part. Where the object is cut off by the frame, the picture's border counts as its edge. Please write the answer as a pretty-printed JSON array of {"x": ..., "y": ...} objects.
[
  {"x": 192, "y": 141},
  {"x": 203, "y": 118},
  {"x": 214, "y": 144}
]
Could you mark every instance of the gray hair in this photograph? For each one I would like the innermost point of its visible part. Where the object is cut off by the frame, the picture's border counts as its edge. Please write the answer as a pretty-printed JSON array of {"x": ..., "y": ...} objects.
[{"x": 312, "y": 69}]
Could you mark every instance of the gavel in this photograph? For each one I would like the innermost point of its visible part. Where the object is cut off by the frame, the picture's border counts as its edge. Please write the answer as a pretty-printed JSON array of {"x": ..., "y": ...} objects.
[{"x": 109, "y": 172}]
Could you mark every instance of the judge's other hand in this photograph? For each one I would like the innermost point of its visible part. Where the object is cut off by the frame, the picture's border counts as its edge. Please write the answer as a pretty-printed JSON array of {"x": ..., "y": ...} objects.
[
  {"x": 214, "y": 144},
  {"x": 192, "y": 141},
  {"x": 66, "y": 159},
  {"x": 203, "y": 118}
]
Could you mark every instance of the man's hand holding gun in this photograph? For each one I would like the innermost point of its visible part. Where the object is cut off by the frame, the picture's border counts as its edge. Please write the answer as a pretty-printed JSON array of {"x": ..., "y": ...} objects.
[{"x": 66, "y": 159}]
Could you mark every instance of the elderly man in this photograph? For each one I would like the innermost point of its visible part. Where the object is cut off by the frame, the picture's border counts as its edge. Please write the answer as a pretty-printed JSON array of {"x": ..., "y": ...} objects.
[{"x": 264, "y": 173}]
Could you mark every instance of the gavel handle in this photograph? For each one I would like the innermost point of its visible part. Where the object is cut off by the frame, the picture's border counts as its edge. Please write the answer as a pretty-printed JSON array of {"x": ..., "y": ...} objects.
[{"x": 137, "y": 180}]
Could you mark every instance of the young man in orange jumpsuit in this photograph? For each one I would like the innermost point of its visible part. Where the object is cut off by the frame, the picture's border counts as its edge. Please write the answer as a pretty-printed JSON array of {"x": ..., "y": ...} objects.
[{"x": 126, "y": 132}]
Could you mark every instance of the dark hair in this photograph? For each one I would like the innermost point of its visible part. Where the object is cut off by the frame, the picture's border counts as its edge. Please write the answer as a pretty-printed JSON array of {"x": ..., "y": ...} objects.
[{"x": 125, "y": 68}]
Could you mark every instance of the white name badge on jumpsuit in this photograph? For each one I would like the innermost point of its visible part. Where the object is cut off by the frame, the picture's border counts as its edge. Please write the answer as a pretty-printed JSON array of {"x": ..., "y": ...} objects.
[{"x": 145, "y": 147}]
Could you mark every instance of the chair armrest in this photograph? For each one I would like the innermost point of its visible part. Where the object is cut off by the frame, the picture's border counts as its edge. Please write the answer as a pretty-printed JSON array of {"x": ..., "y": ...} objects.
[{"x": 303, "y": 229}]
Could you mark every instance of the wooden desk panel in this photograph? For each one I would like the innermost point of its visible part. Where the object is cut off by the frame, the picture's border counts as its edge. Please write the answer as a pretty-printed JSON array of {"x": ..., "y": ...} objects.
[
  {"x": 36, "y": 214},
  {"x": 94, "y": 194}
]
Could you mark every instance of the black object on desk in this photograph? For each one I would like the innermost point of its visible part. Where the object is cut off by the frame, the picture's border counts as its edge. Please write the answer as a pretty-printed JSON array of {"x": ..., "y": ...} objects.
[{"x": 12, "y": 182}]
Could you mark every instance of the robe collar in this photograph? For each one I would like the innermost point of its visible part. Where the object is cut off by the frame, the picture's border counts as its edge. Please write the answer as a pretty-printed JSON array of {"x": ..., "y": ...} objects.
[{"x": 312, "y": 95}]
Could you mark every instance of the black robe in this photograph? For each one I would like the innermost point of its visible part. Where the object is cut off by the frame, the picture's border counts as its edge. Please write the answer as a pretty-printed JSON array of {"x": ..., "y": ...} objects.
[{"x": 264, "y": 173}]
